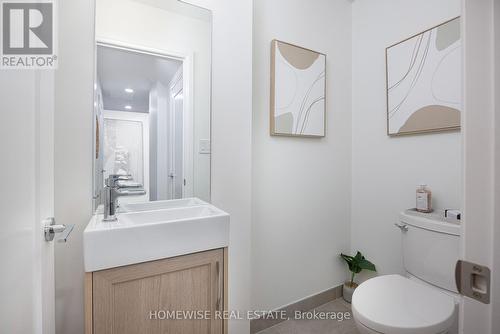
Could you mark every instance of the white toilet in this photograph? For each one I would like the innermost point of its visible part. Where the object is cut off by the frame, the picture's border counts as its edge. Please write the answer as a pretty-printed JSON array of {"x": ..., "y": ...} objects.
[{"x": 426, "y": 300}]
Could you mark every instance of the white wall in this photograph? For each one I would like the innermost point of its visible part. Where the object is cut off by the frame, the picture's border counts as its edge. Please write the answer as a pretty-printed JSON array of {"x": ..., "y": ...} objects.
[
  {"x": 386, "y": 171},
  {"x": 141, "y": 24},
  {"x": 232, "y": 139},
  {"x": 301, "y": 186}
]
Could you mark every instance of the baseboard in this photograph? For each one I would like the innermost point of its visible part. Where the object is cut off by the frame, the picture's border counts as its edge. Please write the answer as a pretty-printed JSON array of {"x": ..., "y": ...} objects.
[{"x": 306, "y": 304}]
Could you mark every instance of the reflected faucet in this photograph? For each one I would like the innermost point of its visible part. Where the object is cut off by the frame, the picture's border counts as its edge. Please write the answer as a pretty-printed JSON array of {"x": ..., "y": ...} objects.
[{"x": 118, "y": 186}]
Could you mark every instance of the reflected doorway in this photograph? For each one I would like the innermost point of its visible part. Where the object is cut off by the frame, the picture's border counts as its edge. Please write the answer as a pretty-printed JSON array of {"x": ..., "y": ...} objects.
[{"x": 142, "y": 127}]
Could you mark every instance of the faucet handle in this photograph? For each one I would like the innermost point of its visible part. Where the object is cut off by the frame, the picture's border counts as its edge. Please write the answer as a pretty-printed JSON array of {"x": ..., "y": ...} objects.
[
  {"x": 121, "y": 176},
  {"x": 128, "y": 184},
  {"x": 130, "y": 192},
  {"x": 112, "y": 178}
]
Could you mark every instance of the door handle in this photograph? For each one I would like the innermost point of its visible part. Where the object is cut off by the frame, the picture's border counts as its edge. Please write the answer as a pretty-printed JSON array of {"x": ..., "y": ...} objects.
[
  {"x": 51, "y": 229},
  {"x": 218, "y": 303},
  {"x": 402, "y": 227}
]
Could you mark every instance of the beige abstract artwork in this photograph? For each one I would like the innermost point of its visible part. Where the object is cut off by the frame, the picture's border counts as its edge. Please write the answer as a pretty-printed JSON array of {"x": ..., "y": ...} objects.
[
  {"x": 424, "y": 76},
  {"x": 298, "y": 82}
]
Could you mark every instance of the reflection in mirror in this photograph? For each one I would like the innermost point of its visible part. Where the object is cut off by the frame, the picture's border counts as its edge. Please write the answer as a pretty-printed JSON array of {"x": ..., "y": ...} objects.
[{"x": 152, "y": 100}]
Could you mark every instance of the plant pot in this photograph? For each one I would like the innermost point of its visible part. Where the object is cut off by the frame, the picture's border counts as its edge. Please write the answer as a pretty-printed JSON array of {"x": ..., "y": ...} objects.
[{"x": 348, "y": 290}]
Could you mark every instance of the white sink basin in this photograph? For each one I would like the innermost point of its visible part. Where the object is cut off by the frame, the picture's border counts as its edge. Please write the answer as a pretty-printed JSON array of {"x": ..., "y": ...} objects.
[
  {"x": 152, "y": 235},
  {"x": 158, "y": 205}
]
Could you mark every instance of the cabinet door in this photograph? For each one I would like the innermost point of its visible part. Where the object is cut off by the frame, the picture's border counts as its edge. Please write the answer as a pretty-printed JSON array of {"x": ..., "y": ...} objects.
[{"x": 137, "y": 299}]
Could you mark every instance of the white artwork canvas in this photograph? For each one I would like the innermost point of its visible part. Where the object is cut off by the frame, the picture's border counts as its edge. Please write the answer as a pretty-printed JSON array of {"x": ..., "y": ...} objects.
[
  {"x": 424, "y": 77},
  {"x": 123, "y": 148},
  {"x": 298, "y": 83}
]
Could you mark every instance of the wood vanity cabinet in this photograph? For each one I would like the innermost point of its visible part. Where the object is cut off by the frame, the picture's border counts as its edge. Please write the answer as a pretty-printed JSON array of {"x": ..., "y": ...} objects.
[{"x": 135, "y": 299}]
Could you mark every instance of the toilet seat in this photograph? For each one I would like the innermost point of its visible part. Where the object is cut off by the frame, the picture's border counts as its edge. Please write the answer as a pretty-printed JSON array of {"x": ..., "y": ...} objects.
[{"x": 393, "y": 304}]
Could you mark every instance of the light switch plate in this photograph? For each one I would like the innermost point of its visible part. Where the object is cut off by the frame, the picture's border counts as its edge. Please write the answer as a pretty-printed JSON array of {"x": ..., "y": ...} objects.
[{"x": 204, "y": 146}]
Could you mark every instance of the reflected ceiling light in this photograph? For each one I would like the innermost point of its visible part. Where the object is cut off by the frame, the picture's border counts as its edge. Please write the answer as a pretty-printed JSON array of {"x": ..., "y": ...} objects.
[
  {"x": 128, "y": 107},
  {"x": 129, "y": 90}
]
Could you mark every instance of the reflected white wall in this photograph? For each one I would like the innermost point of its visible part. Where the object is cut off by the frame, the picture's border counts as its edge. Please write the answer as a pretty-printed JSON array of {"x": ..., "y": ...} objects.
[
  {"x": 153, "y": 144},
  {"x": 163, "y": 103}
]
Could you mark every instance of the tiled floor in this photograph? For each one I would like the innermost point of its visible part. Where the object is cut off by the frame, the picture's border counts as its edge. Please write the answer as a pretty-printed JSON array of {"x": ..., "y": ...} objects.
[{"x": 318, "y": 326}]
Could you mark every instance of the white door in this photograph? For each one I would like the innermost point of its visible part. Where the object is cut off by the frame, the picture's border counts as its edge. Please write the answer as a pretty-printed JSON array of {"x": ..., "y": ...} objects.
[
  {"x": 27, "y": 198},
  {"x": 481, "y": 130},
  {"x": 176, "y": 147}
]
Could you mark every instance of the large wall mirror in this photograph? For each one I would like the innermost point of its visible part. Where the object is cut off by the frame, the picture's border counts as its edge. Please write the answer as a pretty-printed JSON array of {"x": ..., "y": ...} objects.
[{"x": 152, "y": 101}]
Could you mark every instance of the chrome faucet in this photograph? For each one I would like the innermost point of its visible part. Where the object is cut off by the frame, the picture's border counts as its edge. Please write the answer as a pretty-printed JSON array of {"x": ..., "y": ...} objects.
[{"x": 118, "y": 186}]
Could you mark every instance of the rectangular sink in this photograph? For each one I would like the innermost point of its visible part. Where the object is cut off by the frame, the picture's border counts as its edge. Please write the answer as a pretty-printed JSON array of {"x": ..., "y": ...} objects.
[
  {"x": 152, "y": 235},
  {"x": 159, "y": 205},
  {"x": 166, "y": 216}
]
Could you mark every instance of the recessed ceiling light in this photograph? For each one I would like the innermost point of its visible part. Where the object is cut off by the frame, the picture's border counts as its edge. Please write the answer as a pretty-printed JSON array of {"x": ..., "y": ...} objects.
[
  {"x": 129, "y": 90},
  {"x": 128, "y": 107}
]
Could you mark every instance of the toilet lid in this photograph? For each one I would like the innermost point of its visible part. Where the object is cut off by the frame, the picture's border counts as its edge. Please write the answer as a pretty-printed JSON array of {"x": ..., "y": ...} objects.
[{"x": 393, "y": 304}]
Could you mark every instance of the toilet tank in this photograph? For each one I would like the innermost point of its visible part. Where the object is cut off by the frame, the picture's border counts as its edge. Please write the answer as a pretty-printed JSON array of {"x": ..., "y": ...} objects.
[{"x": 431, "y": 248}]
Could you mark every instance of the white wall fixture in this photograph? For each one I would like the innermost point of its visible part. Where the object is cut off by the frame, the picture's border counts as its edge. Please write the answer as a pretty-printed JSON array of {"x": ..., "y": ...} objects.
[
  {"x": 298, "y": 91},
  {"x": 424, "y": 73}
]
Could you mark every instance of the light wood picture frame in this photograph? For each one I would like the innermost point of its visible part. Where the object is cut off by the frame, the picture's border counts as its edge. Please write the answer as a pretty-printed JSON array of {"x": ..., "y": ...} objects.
[
  {"x": 298, "y": 91},
  {"x": 423, "y": 81}
]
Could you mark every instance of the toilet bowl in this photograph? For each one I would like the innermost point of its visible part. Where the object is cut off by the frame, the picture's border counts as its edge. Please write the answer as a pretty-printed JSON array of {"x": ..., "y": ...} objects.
[
  {"x": 424, "y": 302},
  {"x": 394, "y": 304}
]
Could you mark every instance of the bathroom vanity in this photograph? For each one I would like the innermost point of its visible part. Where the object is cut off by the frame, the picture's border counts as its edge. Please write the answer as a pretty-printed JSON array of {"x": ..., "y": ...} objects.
[
  {"x": 156, "y": 247},
  {"x": 148, "y": 269}
]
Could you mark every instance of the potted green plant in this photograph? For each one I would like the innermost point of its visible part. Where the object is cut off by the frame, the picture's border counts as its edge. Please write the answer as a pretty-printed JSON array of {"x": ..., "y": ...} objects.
[{"x": 356, "y": 264}]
